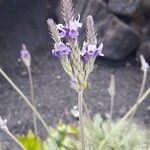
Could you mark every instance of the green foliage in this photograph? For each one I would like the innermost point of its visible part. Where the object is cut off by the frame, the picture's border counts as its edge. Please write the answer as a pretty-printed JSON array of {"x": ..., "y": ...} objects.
[
  {"x": 65, "y": 137},
  {"x": 128, "y": 136},
  {"x": 30, "y": 141}
]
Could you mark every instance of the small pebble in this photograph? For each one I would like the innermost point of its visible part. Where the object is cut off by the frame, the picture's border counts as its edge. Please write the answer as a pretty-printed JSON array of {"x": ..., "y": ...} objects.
[
  {"x": 107, "y": 115},
  {"x": 19, "y": 122},
  {"x": 58, "y": 76},
  {"x": 148, "y": 107},
  {"x": 128, "y": 64},
  {"x": 24, "y": 73},
  {"x": 100, "y": 104},
  {"x": 75, "y": 112}
]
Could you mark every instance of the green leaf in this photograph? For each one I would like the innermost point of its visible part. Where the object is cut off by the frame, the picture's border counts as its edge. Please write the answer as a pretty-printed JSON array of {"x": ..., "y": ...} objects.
[
  {"x": 67, "y": 142},
  {"x": 61, "y": 127},
  {"x": 71, "y": 129},
  {"x": 30, "y": 141},
  {"x": 50, "y": 145}
]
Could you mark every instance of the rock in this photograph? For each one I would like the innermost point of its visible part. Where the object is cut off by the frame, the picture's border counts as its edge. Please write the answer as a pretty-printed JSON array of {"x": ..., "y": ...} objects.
[
  {"x": 146, "y": 32},
  {"x": 91, "y": 7},
  {"x": 124, "y": 7},
  {"x": 144, "y": 49},
  {"x": 75, "y": 112},
  {"x": 118, "y": 38},
  {"x": 129, "y": 7},
  {"x": 145, "y": 5}
]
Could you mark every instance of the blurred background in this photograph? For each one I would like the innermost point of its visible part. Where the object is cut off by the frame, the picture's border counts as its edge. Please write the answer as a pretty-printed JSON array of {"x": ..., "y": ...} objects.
[{"x": 122, "y": 25}]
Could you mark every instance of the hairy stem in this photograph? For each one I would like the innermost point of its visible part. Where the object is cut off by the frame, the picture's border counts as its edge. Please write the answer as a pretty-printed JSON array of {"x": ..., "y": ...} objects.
[
  {"x": 33, "y": 100},
  {"x": 143, "y": 84},
  {"x": 14, "y": 138},
  {"x": 28, "y": 103},
  {"x": 80, "y": 102},
  {"x": 86, "y": 109},
  {"x": 25, "y": 99},
  {"x": 1, "y": 145},
  {"x": 111, "y": 106},
  {"x": 141, "y": 89},
  {"x": 133, "y": 108}
]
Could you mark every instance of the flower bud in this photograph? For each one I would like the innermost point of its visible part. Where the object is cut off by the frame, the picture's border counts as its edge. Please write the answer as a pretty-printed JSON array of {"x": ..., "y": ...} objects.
[
  {"x": 25, "y": 56},
  {"x": 144, "y": 64}
]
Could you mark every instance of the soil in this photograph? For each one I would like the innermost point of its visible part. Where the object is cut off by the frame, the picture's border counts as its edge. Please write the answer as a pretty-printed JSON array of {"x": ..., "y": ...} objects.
[{"x": 53, "y": 94}]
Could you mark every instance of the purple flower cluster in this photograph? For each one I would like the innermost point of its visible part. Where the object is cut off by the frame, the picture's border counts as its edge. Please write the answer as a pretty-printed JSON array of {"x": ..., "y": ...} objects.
[
  {"x": 24, "y": 52},
  {"x": 70, "y": 30},
  {"x": 61, "y": 49},
  {"x": 90, "y": 50}
]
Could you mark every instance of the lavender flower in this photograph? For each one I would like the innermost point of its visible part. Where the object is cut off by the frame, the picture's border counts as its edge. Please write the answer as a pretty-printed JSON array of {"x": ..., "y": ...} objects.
[
  {"x": 90, "y": 50},
  {"x": 25, "y": 56},
  {"x": 70, "y": 30},
  {"x": 60, "y": 49},
  {"x": 24, "y": 52},
  {"x": 62, "y": 30}
]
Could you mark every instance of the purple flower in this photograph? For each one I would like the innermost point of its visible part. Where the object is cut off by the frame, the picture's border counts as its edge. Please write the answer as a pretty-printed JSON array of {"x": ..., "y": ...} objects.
[
  {"x": 24, "y": 52},
  {"x": 90, "y": 50},
  {"x": 62, "y": 30},
  {"x": 25, "y": 56},
  {"x": 70, "y": 30},
  {"x": 60, "y": 49}
]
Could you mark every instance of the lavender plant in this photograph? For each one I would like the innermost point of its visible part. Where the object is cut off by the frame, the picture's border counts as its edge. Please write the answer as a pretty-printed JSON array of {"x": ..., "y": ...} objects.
[
  {"x": 78, "y": 63},
  {"x": 26, "y": 58}
]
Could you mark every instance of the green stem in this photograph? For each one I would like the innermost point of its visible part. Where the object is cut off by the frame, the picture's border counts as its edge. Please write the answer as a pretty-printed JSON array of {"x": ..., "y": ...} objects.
[
  {"x": 80, "y": 102},
  {"x": 33, "y": 100},
  {"x": 134, "y": 107}
]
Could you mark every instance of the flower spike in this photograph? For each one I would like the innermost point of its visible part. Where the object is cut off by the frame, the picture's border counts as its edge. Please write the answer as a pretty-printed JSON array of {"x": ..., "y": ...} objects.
[
  {"x": 91, "y": 31},
  {"x": 67, "y": 10}
]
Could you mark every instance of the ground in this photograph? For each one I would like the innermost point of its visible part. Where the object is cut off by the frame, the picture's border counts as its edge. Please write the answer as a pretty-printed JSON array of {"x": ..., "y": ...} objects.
[{"x": 55, "y": 98}]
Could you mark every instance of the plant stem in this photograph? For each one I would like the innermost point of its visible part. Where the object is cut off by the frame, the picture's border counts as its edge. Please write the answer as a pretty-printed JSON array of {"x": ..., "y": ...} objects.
[
  {"x": 33, "y": 100},
  {"x": 28, "y": 103},
  {"x": 86, "y": 109},
  {"x": 1, "y": 146},
  {"x": 80, "y": 102},
  {"x": 143, "y": 84},
  {"x": 134, "y": 107},
  {"x": 25, "y": 99},
  {"x": 111, "y": 106},
  {"x": 14, "y": 138},
  {"x": 141, "y": 89}
]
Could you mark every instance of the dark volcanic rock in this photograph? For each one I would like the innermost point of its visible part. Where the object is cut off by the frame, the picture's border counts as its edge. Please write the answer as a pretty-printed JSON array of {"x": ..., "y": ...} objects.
[
  {"x": 144, "y": 49},
  {"x": 118, "y": 38},
  {"x": 124, "y": 7},
  {"x": 145, "y": 5},
  {"x": 129, "y": 7}
]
